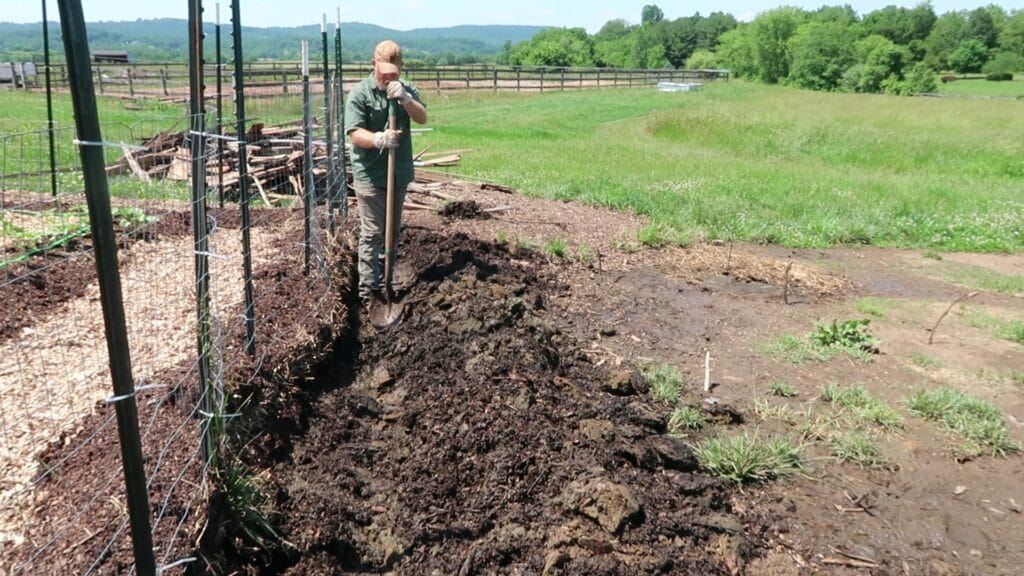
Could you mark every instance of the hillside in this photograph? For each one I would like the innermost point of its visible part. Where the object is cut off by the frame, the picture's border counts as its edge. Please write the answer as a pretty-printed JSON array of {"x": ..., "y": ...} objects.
[{"x": 166, "y": 40}]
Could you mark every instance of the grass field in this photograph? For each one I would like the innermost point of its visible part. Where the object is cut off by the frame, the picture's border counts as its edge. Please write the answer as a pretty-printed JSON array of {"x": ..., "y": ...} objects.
[
  {"x": 735, "y": 161},
  {"x": 976, "y": 85},
  {"x": 757, "y": 163}
]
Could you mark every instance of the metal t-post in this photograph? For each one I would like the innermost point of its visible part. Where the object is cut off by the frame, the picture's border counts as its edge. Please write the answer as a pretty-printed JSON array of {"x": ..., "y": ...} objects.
[
  {"x": 220, "y": 113},
  {"x": 341, "y": 195},
  {"x": 243, "y": 178},
  {"x": 307, "y": 157},
  {"x": 328, "y": 112},
  {"x": 101, "y": 223},
  {"x": 197, "y": 112},
  {"x": 49, "y": 102}
]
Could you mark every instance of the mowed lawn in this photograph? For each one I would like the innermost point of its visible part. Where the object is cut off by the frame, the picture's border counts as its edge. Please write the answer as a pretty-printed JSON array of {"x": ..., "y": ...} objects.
[{"x": 758, "y": 163}]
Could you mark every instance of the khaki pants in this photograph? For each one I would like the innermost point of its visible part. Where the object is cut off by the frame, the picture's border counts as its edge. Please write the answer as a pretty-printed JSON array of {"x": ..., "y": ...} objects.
[{"x": 372, "y": 215}]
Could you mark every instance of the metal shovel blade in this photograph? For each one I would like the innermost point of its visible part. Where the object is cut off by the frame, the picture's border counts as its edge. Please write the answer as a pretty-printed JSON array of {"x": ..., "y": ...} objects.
[{"x": 385, "y": 314}]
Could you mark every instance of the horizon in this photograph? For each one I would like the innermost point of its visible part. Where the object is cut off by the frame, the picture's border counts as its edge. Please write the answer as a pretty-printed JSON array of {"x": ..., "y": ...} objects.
[{"x": 591, "y": 15}]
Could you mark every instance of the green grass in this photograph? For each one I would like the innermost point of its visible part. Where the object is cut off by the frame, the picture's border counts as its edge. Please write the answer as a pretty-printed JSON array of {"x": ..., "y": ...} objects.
[
  {"x": 777, "y": 165},
  {"x": 856, "y": 446},
  {"x": 783, "y": 389},
  {"x": 979, "y": 424},
  {"x": 924, "y": 360},
  {"x": 976, "y": 85},
  {"x": 685, "y": 418},
  {"x": 872, "y": 306},
  {"x": 766, "y": 411},
  {"x": 795, "y": 350},
  {"x": 665, "y": 382},
  {"x": 1018, "y": 379},
  {"x": 557, "y": 248},
  {"x": 1007, "y": 329},
  {"x": 862, "y": 403},
  {"x": 981, "y": 278},
  {"x": 749, "y": 458}
]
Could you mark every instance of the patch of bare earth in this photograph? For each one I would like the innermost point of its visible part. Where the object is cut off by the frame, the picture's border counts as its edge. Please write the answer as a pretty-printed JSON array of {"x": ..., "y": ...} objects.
[{"x": 926, "y": 512}]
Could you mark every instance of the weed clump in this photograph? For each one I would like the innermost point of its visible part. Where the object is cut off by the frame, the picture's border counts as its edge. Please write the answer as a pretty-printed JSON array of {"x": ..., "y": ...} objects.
[{"x": 978, "y": 423}]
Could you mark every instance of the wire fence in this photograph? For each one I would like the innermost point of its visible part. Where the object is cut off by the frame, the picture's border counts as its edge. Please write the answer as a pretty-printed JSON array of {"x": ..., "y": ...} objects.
[{"x": 200, "y": 204}]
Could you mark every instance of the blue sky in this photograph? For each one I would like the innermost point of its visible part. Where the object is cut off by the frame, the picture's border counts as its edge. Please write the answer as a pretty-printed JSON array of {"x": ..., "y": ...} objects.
[{"x": 407, "y": 14}]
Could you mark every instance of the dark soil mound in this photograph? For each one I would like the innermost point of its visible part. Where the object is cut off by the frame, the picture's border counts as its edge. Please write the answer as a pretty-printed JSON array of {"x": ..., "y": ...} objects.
[
  {"x": 475, "y": 438},
  {"x": 463, "y": 210}
]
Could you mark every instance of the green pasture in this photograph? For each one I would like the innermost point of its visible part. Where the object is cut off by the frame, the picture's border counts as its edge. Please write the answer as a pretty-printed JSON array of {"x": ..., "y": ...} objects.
[
  {"x": 758, "y": 163},
  {"x": 976, "y": 85},
  {"x": 735, "y": 161}
]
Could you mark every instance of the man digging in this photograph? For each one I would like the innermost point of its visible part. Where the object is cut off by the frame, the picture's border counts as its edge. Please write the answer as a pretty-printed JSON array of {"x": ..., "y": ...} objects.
[{"x": 367, "y": 126}]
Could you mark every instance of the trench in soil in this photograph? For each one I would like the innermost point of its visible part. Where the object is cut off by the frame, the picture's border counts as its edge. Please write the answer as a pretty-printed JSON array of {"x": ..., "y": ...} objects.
[{"x": 475, "y": 436}]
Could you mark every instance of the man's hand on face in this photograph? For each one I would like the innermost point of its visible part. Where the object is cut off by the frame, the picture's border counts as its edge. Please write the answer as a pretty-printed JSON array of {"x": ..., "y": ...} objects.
[
  {"x": 386, "y": 139},
  {"x": 396, "y": 91}
]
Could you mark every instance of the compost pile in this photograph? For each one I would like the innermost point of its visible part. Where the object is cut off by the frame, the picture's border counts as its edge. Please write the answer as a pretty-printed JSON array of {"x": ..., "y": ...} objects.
[{"x": 474, "y": 437}]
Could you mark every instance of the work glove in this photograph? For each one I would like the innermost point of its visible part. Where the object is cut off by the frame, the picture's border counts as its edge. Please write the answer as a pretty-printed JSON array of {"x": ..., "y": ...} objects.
[
  {"x": 396, "y": 91},
  {"x": 386, "y": 139}
]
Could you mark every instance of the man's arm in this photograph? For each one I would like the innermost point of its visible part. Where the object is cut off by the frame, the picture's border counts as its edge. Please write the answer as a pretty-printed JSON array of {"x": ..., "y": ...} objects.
[
  {"x": 416, "y": 111},
  {"x": 361, "y": 137}
]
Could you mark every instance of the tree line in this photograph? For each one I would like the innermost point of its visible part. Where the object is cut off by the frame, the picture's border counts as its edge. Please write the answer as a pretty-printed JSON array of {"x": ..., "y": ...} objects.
[{"x": 894, "y": 49}]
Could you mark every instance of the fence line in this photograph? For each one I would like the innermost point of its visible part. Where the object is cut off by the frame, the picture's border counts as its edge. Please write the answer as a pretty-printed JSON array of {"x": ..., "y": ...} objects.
[
  {"x": 63, "y": 499},
  {"x": 170, "y": 79}
]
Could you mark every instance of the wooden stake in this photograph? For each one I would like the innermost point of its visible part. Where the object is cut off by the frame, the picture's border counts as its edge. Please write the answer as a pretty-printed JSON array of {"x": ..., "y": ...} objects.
[
  {"x": 707, "y": 370},
  {"x": 954, "y": 303}
]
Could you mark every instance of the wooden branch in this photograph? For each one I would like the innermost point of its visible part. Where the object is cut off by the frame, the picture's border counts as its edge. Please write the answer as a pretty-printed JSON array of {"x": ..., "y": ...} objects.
[{"x": 954, "y": 303}]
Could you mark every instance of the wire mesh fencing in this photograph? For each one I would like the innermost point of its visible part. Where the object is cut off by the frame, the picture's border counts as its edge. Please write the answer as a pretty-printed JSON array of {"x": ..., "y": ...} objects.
[{"x": 200, "y": 213}]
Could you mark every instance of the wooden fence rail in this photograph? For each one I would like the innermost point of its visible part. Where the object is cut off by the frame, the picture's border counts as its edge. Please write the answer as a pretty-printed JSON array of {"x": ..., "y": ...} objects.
[{"x": 274, "y": 78}]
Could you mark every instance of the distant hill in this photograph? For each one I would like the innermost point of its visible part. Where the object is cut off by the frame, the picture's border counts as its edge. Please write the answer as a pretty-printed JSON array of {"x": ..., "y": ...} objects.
[{"x": 166, "y": 39}]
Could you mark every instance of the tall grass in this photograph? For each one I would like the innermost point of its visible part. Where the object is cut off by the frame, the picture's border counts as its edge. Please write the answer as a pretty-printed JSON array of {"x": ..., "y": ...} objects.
[{"x": 758, "y": 163}]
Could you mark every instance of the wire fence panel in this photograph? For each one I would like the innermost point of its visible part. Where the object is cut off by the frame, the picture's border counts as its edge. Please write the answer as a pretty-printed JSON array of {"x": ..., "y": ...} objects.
[{"x": 62, "y": 496}]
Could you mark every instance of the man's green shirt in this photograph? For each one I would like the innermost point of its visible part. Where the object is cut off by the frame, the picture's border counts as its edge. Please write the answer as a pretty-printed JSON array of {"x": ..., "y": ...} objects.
[{"x": 367, "y": 107}]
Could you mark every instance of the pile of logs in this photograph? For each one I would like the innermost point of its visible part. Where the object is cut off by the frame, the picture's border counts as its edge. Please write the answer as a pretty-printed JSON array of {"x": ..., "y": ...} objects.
[{"x": 274, "y": 155}]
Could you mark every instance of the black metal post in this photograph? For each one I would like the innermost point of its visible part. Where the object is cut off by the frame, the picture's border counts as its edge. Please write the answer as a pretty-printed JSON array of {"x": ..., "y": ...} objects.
[
  {"x": 307, "y": 158},
  {"x": 49, "y": 102},
  {"x": 341, "y": 195},
  {"x": 328, "y": 111},
  {"x": 101, "y": 223},
  {"x": 197, "y": 139},
  {"x": 243, "y": 179},
  {"x": 220, "y": 113}
]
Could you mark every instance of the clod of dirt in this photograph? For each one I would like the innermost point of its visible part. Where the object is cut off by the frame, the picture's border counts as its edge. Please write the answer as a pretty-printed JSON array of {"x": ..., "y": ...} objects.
[
  {"x": 611, "y": 505},
  {"x": 463, "y": 210}
]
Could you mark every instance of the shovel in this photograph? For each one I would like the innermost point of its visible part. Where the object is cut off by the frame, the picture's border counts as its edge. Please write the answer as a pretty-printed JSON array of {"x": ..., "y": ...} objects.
[{"x": 384, "y": 314}]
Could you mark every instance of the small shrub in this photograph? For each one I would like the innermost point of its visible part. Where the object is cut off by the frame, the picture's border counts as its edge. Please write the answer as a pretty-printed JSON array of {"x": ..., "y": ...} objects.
[
  {"x": 948, "y": 79},
  {"x": 999, "y": 76}
]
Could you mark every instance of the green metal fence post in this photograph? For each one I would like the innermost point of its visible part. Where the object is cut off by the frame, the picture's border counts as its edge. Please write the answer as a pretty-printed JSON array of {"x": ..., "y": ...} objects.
[
  {"x": 101, "y": 223},
  {"x": 307, "y": 156},
  {"x": 243, "y": 178}
]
